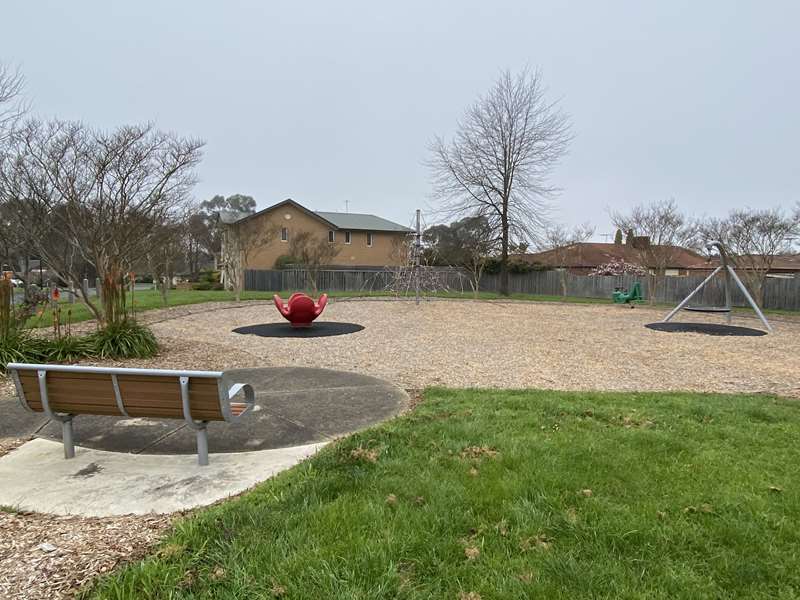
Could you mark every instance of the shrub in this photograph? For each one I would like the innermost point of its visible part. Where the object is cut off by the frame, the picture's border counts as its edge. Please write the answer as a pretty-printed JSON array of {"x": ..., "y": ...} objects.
[
  {"x": 209, "y": 276},
  {"x": 21, "y": 346},
  {"x": 69, "y": 348},
  {"x": 126, "y": 339},
  {"x": 284, "y": 261},
  {"x": 514, "y": 266}
]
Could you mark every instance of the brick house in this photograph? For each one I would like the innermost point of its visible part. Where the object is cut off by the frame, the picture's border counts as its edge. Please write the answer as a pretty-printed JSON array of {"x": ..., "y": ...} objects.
[
  {"x": 581, "y": 258},
  {"x": 364, "y": 240}
]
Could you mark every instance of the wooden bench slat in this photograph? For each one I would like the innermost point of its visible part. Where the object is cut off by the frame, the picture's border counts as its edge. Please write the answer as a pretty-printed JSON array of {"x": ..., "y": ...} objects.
[{"x": 157, "y": 394}]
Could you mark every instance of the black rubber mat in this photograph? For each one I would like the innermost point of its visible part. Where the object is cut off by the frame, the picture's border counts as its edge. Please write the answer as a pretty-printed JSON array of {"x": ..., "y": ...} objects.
[
  {"x": 706, "y": 328},
  {"x": 284, "y": 330}
]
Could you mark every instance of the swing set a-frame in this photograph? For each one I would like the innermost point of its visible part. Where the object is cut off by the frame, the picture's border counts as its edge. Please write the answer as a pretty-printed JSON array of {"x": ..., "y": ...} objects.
[{"x": 729, "y": 275}]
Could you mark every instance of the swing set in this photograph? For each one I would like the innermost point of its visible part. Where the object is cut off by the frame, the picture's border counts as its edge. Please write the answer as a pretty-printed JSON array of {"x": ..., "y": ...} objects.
[{"x": 729, "y": 274}]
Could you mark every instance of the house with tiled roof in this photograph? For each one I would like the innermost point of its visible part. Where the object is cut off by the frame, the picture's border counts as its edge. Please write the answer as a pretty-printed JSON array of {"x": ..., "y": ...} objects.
[
  {"x": 363, "y": 240},
  {"x": 583, "y": 257},
  {"x": 783, "y": 265}
]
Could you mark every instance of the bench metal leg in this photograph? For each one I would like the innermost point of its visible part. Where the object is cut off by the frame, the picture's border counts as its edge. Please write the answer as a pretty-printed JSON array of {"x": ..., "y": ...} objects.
[
  {"x": 66, "y": 437},
  {"x": 202, "y": 446}
]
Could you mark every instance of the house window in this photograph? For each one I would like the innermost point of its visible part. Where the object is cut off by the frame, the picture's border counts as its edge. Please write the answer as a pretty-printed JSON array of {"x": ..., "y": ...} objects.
[
  {"x": 347, "y": 237},
  {"x": 284, "y": 234},
  {"x": 369, "y": 238},
  {"x": 331, "y": 236}
]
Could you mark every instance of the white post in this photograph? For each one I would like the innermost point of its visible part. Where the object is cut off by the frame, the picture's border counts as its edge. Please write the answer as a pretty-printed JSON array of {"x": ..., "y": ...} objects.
[
  {"x": 417, "y": 250},
  {"x": 202, "y": 446},
  {"x": 67, "y": 439}
]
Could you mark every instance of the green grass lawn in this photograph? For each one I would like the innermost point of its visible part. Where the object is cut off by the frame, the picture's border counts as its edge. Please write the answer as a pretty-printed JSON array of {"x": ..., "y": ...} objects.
[
  {"x": 150, "y": 299},
  {"x": 512, "y": 494},
  {"x": 145, "y": 300}
]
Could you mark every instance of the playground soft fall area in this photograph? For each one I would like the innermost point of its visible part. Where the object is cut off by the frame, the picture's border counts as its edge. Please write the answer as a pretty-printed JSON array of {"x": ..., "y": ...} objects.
[{"x": 399, "y": 301}]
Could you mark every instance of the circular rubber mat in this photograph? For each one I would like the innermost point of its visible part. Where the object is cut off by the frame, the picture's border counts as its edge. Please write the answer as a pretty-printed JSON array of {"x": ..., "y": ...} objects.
[
  {"x": 284, "y": 330},
  {"x": 706, "y": 328}
]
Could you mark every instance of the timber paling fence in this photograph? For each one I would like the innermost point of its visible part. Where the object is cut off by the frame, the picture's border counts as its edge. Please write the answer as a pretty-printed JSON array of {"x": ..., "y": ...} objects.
[{"x": 779, "y": 293}]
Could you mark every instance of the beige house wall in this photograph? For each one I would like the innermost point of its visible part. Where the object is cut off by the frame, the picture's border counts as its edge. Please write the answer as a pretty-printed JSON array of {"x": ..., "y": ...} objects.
[{"x": 383, "y": 252}]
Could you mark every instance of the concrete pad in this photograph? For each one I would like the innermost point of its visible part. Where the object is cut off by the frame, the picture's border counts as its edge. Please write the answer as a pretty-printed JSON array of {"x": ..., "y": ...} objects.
[
  {"x": 294, "y": 406},
  {"x": 36, "y": 477},
  {"x": 16, "y": 422}
]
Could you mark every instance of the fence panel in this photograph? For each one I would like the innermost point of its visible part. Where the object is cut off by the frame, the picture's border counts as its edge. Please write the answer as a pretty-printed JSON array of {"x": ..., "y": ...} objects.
[{"x": 779, "y": 293}]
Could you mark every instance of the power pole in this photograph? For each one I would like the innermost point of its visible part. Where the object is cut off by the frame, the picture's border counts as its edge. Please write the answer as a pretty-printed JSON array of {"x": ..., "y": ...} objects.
[{"x": 417, "y": 251}]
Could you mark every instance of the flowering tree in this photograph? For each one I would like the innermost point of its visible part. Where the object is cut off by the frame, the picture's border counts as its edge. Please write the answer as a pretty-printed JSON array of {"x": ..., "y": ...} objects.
[{"x": 619, "y": 267}]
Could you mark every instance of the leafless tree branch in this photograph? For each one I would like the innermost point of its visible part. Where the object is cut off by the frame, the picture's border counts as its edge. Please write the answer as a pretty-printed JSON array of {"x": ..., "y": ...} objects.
[{"x": 499, "y": 163}]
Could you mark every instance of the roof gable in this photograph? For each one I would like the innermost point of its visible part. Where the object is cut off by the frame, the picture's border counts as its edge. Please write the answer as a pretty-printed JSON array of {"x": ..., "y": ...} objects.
[{"x": 334, "y": 220}]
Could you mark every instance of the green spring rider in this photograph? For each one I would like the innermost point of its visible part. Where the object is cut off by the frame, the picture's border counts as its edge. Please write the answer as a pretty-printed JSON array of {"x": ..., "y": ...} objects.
[{"x": 632, "y": 296}]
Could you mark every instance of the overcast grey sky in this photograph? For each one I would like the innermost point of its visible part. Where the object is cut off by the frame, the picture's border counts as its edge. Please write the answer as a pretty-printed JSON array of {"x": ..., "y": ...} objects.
[{"x": 325, "y": 102}]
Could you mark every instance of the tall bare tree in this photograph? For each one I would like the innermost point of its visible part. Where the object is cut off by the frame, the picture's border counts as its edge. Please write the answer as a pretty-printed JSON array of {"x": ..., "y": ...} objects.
[
  {"x": 753, "y": 239},
  {"x": 499, "y": 163},
  {"x": 312, "y": 252},
  {"x": 667, "y": 231},
  {"x": 12, "y": 105},
  {"x": 167, "y": 246},
  {"x": 560, "y": 240},
  {"x": 241, "y": 237},
  {"x": 91, "y": 196}
]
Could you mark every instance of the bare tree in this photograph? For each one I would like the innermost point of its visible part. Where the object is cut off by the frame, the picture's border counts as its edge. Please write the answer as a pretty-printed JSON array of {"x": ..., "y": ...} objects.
[
  {"x": 241, "y": 237},
  {"x": 753, "y": 238},
  {"x": 12, "y": 106},
  {"x": 468, "y": 243},
  {"x": 313, "y": 253},
  {"x": 90, "y": 196},
  {"x": 560, "y": 241},
  {"x": 499, "y": 162},
  {"x": 167, "y": 245},
  {"x": 659, "y": 232}
]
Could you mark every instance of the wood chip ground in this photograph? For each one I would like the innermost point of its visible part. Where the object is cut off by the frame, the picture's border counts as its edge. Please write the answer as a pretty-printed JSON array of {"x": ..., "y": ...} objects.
[{"x": 493, "y": 344}]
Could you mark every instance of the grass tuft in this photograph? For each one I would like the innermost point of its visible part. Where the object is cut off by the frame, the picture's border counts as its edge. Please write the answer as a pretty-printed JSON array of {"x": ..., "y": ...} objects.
[{"x": 126, "y": 339}]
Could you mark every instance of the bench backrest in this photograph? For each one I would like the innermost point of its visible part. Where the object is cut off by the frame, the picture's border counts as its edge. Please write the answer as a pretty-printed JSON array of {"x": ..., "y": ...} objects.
[{"x": 122, "y": 392}]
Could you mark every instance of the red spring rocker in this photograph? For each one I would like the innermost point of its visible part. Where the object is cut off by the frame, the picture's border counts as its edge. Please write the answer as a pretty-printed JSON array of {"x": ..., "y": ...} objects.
[{"x": 300, "y": 310}]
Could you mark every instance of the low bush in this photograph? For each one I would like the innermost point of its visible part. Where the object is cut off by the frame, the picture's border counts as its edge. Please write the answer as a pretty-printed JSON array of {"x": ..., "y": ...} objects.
[
  {"x": 126, "y": 339},
  {"x": 284, "y": 261},
  {"x": 21, "y": 346},
  {"x": 68, "y": 348}
]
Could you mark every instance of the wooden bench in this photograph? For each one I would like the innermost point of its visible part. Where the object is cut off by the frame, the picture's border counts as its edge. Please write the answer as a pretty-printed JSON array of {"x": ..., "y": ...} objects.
[{"x": 62, "y": 392}]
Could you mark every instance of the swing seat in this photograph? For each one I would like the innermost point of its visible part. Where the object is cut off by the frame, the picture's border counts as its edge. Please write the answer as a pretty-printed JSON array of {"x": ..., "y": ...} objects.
[{"x": 708, "y": 309}]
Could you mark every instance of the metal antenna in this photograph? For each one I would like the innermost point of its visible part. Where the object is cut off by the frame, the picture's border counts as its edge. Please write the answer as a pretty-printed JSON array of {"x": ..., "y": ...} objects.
[{"x": 417, "y": 250}]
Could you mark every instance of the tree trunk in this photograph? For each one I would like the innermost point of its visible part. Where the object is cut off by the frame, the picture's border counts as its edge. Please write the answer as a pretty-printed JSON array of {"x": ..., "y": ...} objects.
[
  {"x": 165, "y": 288},
  {"x": 564, "y": 282},
  {"x": 238, "y": 285},
  {"x": 504, "y": 256}
]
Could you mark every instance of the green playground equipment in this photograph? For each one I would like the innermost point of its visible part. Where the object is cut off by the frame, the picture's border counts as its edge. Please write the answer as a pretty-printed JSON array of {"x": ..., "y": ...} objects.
[{"x": 629, "y": 297}]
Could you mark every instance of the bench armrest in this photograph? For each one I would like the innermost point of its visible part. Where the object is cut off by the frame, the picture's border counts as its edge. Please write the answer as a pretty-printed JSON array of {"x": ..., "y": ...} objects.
[{"x": 233, "y": 392}]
